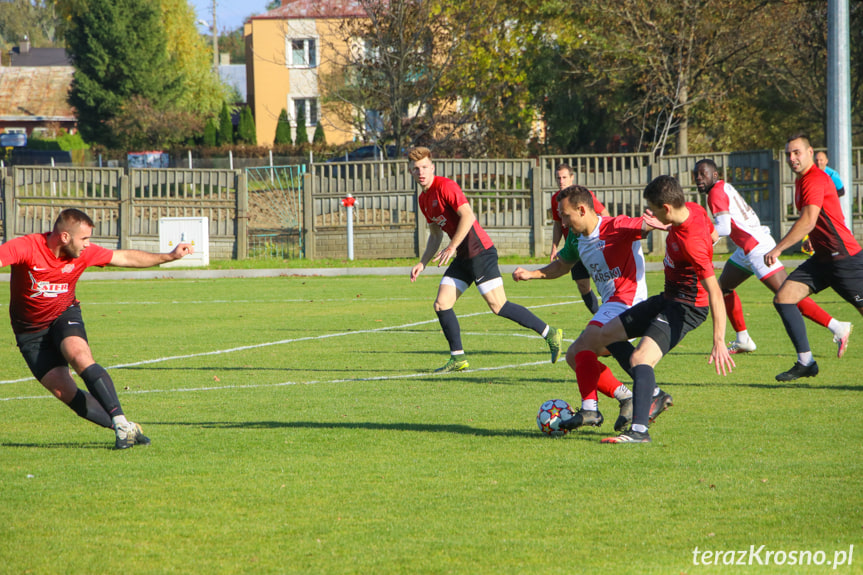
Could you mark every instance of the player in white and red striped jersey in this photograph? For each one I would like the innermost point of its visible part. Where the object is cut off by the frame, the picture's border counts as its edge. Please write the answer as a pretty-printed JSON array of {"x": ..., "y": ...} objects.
[
  {"x": 610, "y": 249},
  {"x": 735, "y": 218},
  {"x": 47, "y": 321}
]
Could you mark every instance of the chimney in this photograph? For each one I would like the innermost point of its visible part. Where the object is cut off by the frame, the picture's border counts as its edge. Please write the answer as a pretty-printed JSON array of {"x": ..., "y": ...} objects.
[{"x": 25, "y": 45}]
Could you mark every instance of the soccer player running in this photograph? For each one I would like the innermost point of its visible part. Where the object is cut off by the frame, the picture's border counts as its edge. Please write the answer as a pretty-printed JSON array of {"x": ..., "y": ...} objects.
[
  {"x": 474, "y": 260},
  {"x": 735, "y": 218},
  {"x": 837, "y": 261},
  {"x": 691, "y": 290},
  {"x": 47, "y": 321},
  {"x": 611, "y": 249},
  {"x": 580, "y": 276}
]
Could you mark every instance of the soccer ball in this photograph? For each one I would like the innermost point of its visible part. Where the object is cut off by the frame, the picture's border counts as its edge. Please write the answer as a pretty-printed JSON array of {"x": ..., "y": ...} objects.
[{"x": 551, "y": 414}]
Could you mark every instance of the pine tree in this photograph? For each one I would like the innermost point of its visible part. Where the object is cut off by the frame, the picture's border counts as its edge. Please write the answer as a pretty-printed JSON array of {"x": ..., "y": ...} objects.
[
  {"x": 283, "y": 129},
  {"x": 226, "y": 128},
  {"x": 302, "y": 134},
  {"x": 118, "y": 49},
  {"x": 246, "y": 132},
  {"x": 319, "y": 137},
  {"x": 210, "y": 134}
]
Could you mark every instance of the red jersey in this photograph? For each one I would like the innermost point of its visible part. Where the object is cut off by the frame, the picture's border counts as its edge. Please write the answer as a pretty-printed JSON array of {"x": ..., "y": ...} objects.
[
  {"x": 830, "y": 237},
  {"x": 689, "y": 258},
  {"x": 440, "y": 204},
  {"x": 42, "y": 285},
  {"x": 555, "y": 214}
]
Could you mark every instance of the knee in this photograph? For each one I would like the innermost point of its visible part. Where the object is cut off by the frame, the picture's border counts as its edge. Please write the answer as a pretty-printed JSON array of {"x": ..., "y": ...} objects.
[{"x": 495, "y": 307}]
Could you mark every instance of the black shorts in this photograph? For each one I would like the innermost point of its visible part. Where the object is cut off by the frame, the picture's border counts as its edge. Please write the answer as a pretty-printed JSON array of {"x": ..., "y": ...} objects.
[
  {"x": 41, "y": 349},
  {"x": 663, "y": 320},
  {"x": 481, "y": 268},
  {"x": 579, "y": 271},
  {"x": 844, "y": 275}
]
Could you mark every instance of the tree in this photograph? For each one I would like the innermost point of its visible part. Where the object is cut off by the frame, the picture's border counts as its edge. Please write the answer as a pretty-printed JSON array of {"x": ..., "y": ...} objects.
[
  {"x": 407, "y": 72},
  {"x": 676, "y": 54},
  {"x": 319, "y": 137},
  {"x": 210, "y": 134},
  {"x": 37, "y": 20},
  {"x": 283, "y": 129},
  {"x": 302, "y": 134},
  {"x": 118, "y": 48},
  {"x": 246, "y": 129},
  {"x": 139, "y": 125},
  {"x": 225, "y": 135}
]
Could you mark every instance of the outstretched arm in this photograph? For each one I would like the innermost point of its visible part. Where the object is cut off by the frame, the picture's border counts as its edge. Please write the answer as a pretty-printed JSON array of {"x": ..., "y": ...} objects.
[
  {"x": 719, "y": 355},
  {"x": 141, "y": 259},
  {"x": 552, "y": 271}
]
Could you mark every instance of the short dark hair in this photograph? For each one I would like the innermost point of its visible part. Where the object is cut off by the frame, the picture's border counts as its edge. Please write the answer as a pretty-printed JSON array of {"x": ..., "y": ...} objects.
[
  {"x": 566, "y": 167},
  {"x": 69, "y": 217},
  {"x": 706, "y": 162},
  {"x": 665, "y": 190},
  {"x": 577, "y": 195},
  {"x": 799, "y": 136}
]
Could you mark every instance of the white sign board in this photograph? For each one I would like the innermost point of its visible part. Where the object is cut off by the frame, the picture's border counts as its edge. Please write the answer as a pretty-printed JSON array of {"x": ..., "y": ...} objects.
[{"x": 195, "y": 231}]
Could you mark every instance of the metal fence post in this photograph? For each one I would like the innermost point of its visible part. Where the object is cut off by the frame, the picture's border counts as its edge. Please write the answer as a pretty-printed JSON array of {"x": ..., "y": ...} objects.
[{"x": 8, "y": 208}]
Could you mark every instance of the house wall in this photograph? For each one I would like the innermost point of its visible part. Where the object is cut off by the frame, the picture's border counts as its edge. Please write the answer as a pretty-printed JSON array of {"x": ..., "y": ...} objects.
[{"x": 273, "y": 84}]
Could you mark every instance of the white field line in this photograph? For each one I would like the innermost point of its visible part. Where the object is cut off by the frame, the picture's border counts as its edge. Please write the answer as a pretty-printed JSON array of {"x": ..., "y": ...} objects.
[{"x": 287, "y": 341}]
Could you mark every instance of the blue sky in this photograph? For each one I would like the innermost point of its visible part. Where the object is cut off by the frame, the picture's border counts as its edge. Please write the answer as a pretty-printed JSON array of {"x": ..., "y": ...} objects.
[{"x": 230, "y": 14}]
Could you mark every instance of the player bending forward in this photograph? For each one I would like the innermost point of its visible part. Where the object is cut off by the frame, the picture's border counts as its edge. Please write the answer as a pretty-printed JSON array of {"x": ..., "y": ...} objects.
[
  {"x": 610, "y": 248},
  {"x": 47, "y": 321},
  {"x": 474, "y": 260},
  {"x": 691, "y": 289},
  {"x": 736, "y": 219}
]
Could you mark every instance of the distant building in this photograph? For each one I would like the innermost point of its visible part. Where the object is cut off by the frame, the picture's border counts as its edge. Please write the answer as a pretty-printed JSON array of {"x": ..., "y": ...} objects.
[
  {"x": 34, "y": 89},
  {"x": 286, "y": 51},
  {"x": 233, "y": 75}
]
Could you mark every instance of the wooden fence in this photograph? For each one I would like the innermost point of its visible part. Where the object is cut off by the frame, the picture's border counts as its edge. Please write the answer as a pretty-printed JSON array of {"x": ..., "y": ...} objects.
[{"x": 511, "y": 198}]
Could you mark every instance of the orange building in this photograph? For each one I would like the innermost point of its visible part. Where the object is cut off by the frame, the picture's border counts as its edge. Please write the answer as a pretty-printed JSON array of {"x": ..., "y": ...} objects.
[{"x": 288, "y": 50}]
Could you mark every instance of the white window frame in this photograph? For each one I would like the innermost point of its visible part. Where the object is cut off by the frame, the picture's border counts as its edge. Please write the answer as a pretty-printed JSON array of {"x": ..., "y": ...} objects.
[
  {"x": 309, "y": 101},
  {"x": 310, "y": 46}
]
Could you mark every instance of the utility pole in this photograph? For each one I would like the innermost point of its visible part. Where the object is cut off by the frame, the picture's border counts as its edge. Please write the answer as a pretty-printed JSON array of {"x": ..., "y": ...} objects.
[
  {"x": 215, "y": 32},
  {"x": 839, "y": 99}
]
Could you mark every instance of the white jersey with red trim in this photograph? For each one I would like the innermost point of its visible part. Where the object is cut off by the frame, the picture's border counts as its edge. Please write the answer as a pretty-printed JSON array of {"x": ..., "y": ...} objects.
[
  {"x": 746, "y": 229},
  {"x": 613, "y": 256}
]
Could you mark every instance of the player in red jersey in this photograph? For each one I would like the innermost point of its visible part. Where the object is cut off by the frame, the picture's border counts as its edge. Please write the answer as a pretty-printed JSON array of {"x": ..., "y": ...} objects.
[
  {"x": 474, "y": 260},
  {"x": 46, "y": 316},
  {"x": 610, "y": 248},
  {"x": 837, "y": 261},
  {"x": 691, "y": 290},
  {"x": 580, "y": 275},
  {"x": 735, "y": 218}
]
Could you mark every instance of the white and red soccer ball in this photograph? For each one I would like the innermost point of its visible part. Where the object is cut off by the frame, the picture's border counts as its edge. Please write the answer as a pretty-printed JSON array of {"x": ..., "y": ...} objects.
[{"x": 551, "y": 414}]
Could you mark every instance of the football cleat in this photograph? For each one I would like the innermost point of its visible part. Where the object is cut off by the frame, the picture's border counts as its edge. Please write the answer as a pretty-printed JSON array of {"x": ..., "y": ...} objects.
[
  {"x": 581, "y": 418},
  {"x": 625, "y": 417},
  {"x": 660, "y": 403},
  {"x": 738, "y": 346},
  {"x": 797, "y": 371},
  {"x": 629, "y": 436},
  {"x": 453, "y": 365},
  {"x": 842, "y": 340},
  {"x": 129, "y": 435},
  {"x": 554, "y": 339}
]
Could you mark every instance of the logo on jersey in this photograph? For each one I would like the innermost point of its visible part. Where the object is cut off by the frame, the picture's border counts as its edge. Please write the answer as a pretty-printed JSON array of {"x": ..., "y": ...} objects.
[
  {"x": 68, "y": 268},
  {"x": 605, "y": 275},
  {"x": 47, "y": 289},
  {"x": 440, "y": 220},
  {"x": 667, "y": 262}
]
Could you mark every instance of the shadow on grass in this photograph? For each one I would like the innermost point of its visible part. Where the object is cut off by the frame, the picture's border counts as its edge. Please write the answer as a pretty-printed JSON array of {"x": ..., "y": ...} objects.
[
  {"x": 796, "y": 385},
  {"x": 591, "y": 435},
  {"x": 59, "y": 445}
]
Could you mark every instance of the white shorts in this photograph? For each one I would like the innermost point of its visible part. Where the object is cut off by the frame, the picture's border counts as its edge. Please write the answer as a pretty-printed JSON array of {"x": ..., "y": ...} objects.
[
  {"x": 753, "y": 262},
  {"x": 607, "y": 312}
]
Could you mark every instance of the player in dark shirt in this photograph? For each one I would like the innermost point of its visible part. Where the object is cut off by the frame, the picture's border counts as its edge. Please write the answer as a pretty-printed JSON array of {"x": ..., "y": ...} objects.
[
  {"x": 474, "y": 260},
  {"x": 837, "y": 260},
  {"x": 46, "y": 316}
]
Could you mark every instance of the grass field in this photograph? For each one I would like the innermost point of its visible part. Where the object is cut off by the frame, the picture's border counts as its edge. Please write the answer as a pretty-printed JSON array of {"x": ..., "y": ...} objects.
[{"x": 296, "y": 429}]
